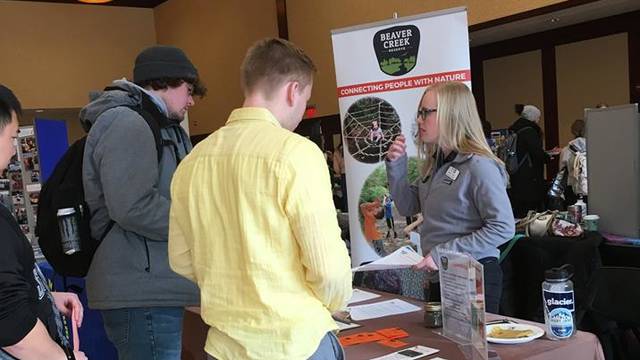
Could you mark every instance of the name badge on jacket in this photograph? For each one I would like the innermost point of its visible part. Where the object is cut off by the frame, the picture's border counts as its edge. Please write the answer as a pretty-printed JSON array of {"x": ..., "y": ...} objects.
[{"x": 451, "y": 175}]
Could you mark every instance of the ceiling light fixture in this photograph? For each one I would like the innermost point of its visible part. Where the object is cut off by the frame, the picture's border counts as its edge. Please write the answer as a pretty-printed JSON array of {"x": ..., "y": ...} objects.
[
  {"x": 95, "y": 1},
  {"x": 554, "y": 20}
]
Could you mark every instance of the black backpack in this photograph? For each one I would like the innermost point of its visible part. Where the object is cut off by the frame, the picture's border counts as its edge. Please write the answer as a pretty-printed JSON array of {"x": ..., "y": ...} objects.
[
  {"x": 507, "y": 152},
  {"x": 64, "y": 189}
]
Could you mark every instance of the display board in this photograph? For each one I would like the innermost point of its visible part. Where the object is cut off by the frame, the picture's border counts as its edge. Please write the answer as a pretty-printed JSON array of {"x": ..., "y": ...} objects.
[
  {"x": 20, "y": 183},
  {"x": 382, "y": 70}
]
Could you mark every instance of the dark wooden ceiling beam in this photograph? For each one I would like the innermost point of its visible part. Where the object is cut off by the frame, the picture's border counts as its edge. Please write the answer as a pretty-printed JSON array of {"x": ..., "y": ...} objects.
[
  {"x": 565, "y": 35},
  {"x": 283, "y": 24},
  {"x": 529, "y": 14},
  {"x": 126, "y": 3}
]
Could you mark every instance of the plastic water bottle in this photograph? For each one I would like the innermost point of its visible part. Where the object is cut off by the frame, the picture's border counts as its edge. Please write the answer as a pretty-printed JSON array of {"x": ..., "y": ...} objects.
[
  {"x": 582, "y": 205},
  {"x": 559, "y": 304}
]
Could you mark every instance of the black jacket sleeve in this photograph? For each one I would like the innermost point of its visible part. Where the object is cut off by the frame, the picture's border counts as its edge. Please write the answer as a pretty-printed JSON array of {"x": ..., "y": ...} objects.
[{"x": 17, "y": 308}]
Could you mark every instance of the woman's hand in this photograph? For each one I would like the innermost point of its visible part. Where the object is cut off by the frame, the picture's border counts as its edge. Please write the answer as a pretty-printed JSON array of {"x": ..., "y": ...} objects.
[
  {"x": 68, "y": 304},
  {"x": 397, "y": 149},
  {"x": 426, "y": 264}
]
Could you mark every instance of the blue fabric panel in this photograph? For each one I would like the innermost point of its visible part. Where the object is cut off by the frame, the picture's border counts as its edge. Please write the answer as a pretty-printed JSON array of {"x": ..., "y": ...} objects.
[{"x": 51, "y": 136}]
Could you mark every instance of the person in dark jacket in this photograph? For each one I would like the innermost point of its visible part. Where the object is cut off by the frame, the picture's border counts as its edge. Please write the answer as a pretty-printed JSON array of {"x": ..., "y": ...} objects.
[
  {"x": 140, "y": 298},
  {"x": 527, "y": 184},
  {"x": 30, "y": 322}
]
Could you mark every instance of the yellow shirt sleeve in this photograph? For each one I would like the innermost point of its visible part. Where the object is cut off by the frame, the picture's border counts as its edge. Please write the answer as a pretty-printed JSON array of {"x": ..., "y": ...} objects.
[
  {"x": 180, "y": 259},
  {"x": 313, "y": 219}
]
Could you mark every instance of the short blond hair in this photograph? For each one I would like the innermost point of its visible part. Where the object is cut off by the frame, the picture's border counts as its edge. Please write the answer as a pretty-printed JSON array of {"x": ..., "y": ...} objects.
[
  {"x": 271, "y": 62},
  {"x": 459, "y": 125}
]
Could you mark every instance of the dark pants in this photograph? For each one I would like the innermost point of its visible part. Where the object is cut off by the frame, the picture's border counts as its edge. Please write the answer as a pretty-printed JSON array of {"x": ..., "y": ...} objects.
[
  {"x": 343, "y": 187},
  {"x": 492, "y": 285},
  {"x": 391, "y": 227}
]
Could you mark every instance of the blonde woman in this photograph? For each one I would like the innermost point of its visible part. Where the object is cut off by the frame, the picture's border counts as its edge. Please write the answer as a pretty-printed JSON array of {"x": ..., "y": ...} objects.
[{"x": 462, "y": 193}]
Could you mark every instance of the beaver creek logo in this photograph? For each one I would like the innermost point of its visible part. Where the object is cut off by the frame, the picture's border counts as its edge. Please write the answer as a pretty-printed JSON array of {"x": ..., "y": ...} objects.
[{"x": 397, "y": 49}]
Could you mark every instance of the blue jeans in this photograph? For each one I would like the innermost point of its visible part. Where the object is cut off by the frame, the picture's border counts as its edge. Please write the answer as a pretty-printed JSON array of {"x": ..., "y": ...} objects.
[
  {"x": 145, "y": 333},
  {"x": 329, "y": 349}
]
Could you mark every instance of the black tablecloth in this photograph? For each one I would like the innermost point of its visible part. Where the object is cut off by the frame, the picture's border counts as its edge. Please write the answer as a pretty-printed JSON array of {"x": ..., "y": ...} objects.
[
  {"x": 614, "y": 254},
  {"x": 525, "y": 265}
]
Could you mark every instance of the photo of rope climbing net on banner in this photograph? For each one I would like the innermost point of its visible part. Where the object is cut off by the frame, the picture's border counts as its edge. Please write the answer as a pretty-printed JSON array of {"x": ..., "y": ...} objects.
[{"x": 370, "y": 125}]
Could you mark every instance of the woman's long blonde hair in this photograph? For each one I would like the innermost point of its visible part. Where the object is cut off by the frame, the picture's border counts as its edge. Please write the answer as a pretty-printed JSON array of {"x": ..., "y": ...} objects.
[{"x": 459, "y": 125}]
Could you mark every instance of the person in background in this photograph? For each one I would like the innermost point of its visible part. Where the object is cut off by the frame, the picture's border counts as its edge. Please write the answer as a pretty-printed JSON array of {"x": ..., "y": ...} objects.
[
  {"x": 574, "y": 158},
  {"x": 370, "y": 211},
  {"x": 339, "y": 169},
  {"x": 375, "y": 133},
  {"x": 462, "y": 193},
  {"x": 30, "y": 323},
  {"x": 528, "y": 186},
  {"x": 253, "y": 222},
  {"x": 388, "y": 216}
]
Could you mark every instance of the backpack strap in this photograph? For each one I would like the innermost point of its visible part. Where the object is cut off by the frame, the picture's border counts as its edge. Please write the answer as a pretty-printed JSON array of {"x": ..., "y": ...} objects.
[
  {"x": 154, "y": 126},
  {"x": 527, "y": 156},
  {"x": 106, "y": 230},
  {"x": 148, "y": 117}
]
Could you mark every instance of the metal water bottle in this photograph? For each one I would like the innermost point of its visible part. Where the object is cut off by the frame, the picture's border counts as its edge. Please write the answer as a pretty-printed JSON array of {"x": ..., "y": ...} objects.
[{"x": 559, "y": 303}]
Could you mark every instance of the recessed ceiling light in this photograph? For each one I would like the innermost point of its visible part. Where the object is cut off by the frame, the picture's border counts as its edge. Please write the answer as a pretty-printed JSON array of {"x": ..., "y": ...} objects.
[{"x": 95, "y": 1}]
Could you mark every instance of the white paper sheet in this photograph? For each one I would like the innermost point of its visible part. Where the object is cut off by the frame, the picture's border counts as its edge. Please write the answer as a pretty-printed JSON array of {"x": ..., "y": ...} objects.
[
  {"x": 361, "y": 295},
  {"x": 381, "y": 309},
  {"x": 402, "y": 258},
  {"x": 344, "y": 326}
]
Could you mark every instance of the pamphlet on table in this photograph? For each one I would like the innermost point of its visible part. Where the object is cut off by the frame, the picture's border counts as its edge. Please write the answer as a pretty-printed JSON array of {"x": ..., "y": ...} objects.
[
  {"x": 404, "y": 257},
  {"x": 462, "y": 297},
  {"x": 381, "y": 309}
]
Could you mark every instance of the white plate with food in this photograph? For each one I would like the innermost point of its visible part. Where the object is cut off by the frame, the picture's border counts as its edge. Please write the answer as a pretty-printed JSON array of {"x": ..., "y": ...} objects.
[{"x": 512, "y": 333}]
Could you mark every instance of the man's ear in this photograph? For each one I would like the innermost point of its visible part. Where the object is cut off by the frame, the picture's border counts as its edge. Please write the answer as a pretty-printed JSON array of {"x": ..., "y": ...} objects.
[{"x": 293, "y": 91}]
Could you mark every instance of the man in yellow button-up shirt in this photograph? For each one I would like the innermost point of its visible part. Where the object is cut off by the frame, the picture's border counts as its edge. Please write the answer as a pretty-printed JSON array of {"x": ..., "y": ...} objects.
[{"x": 253, "y": 222}]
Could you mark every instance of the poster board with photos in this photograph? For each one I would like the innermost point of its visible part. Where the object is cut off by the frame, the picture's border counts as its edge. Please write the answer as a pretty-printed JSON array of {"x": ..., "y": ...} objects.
[
  {"x": 382, "y": 70},
  {"x": 20, "y": 184},
  {"x": 463, "y": 304}
]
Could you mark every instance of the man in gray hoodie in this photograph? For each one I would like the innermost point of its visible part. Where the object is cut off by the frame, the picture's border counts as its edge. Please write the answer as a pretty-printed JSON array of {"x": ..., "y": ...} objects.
[{"x": 127, "y": 179}]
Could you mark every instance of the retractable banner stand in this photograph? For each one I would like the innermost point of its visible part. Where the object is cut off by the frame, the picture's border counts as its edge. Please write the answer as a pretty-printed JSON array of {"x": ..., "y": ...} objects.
[{"x": 382, "y": 70}]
